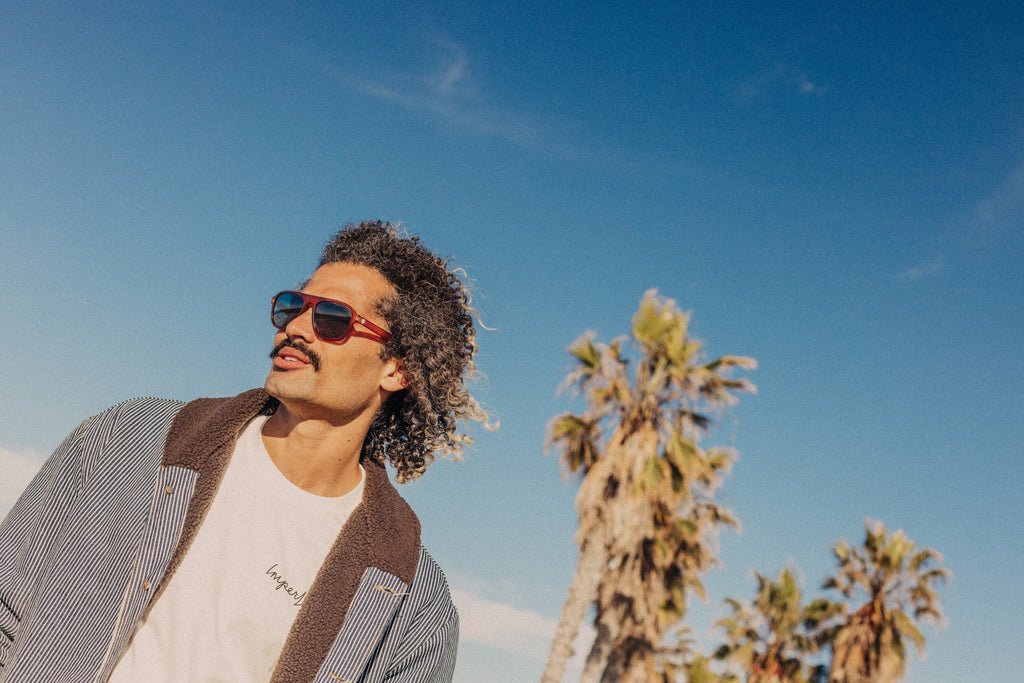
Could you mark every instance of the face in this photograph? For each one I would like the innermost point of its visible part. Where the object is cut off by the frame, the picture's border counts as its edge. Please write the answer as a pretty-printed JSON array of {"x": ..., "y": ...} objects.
[{"x": 339, "y": 382}]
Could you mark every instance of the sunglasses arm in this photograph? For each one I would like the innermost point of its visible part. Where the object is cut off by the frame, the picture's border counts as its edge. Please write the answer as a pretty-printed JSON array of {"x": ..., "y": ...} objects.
[{"x": 376, "y": 333}]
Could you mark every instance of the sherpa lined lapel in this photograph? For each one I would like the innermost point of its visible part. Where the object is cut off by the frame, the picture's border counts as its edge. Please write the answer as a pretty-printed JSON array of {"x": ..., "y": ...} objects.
[{"x": 202, "y": 438}]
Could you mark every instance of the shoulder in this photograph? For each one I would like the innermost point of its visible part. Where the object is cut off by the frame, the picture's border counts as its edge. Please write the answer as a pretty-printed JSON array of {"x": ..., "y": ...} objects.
[
  {"x": 129, "y": 419},
  {"x": 137, "y": 417},
  {"x": 428, "y": 571},
  {"x": 430, "y": 585},
  {"x": 140, "y": 408}
]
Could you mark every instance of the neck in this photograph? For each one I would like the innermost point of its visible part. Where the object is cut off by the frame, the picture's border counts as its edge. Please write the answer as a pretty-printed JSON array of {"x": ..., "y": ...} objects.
[{"x": 317, "y": 456}]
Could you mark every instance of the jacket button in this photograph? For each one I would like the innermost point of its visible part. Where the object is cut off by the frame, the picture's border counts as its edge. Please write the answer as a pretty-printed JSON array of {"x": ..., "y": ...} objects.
[
  {"x": 146, "y": 585},
  {"x": 168, "y": 489}
]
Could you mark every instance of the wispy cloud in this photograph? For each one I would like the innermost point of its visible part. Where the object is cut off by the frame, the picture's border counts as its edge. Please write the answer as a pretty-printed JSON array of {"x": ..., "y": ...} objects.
[
  {"x": 1000, "y": 211},
  {"x": 445, "y": 87},
  {"x": 778, "y": 77},
  {"x": 451, "y": 72},
  {"x": 18, "y": 468},
  {"x": 809, "y": 87},
  {"x": 513, "y": 630},
  {"x": 933, "y": 267},
  {"x": 981, "y": 228},
  {"x": 448, "y": 84}
]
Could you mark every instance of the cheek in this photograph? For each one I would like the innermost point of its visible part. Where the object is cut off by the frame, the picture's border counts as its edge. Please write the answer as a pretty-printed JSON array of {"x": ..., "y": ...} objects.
[{"x": 356, "y": 369}]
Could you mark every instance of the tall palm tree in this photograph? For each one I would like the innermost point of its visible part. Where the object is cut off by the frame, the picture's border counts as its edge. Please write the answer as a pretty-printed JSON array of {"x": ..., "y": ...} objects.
[
  {"x": 772, "y": 638},
  {"x": 898, "y": 581},
  {"x": 647, "y": 513}
]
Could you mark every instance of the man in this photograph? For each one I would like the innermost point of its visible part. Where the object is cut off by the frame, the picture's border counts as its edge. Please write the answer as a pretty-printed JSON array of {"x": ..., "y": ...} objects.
[{"x": 258, "y": 537}]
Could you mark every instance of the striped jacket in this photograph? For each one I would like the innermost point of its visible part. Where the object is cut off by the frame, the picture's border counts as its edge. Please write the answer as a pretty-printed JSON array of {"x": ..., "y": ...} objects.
[{"x": 102, "y": 528}]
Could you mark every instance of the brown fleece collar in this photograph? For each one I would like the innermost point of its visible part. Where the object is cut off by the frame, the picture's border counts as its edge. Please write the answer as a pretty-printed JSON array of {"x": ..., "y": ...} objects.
[{"x": 382, "y": 532}]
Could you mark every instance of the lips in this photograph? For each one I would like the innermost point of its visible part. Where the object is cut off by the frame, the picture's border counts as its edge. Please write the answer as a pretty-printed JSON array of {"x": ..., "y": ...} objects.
[
  {"x": 283, "y": 362},
  {"x": 291, "y": 355}
]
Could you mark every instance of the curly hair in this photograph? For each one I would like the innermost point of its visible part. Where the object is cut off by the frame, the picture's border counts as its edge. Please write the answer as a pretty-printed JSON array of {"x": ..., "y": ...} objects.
[{"x": 430, "y": 318}]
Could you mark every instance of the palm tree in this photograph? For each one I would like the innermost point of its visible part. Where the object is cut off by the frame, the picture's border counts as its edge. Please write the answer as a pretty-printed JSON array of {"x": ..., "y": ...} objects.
[
  {"x": 771, "y": 639},
  {"x": 686, "y": 662},
  {"x": 698, "y": 670},
  {"x": 898, "y": 581},
  {"x": 647, "y": 514}
]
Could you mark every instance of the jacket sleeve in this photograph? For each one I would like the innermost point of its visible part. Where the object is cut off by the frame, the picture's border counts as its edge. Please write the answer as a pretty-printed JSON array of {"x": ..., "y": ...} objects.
[
  {"x": 434, "y": 640},
  {"x": 428, "y": 628},
  {"x": 32, "y": 529}
]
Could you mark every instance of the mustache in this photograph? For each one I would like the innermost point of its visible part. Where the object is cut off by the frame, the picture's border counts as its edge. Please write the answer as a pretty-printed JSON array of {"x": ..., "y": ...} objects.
[{"x": 314, "y": 359}]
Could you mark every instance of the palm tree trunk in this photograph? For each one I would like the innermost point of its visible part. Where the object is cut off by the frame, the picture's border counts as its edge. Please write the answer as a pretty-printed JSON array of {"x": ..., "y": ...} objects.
[
  {"x": 630, "y": 662},
  {"x": 590, "y": 568},
  {"x": 598, "y": 656}
]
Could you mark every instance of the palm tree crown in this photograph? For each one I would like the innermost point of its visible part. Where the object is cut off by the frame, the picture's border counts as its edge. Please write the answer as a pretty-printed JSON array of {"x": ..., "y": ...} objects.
[
  {"x": 647, "y": 513},
  {"x": 898, "y": 581},
  {"x": 771, "y": 638}
]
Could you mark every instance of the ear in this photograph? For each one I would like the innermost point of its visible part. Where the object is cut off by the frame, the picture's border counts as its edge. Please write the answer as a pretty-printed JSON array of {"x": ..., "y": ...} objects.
[{"x": 393, "y": 377}]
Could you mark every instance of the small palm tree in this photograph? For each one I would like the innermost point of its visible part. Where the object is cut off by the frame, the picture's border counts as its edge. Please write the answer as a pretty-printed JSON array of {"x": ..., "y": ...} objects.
[
  {"x": 771, "y": 639},
  {"x": 698, "y": 670},
  {"x": 647, "y": 513},
  {"x": 898, "y": 581},
  {"x": 686, "y": 662}
]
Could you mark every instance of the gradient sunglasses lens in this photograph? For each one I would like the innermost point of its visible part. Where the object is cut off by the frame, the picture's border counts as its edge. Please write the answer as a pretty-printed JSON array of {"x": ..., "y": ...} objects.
[
  {"x": 332, "y": 320},
  {"x": 287, "y": 307}
]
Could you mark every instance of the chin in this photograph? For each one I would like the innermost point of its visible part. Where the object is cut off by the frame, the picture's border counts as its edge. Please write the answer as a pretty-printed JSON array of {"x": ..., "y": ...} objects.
[{"x": 278, "y": 388}]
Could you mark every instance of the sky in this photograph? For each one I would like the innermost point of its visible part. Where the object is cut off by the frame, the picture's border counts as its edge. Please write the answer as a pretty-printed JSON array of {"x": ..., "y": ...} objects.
[{"x": 835, "y": 189}]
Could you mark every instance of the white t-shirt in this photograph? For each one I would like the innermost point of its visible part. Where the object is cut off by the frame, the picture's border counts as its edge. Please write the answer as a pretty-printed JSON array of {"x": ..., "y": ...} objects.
[{"x": 228, "y": 608}]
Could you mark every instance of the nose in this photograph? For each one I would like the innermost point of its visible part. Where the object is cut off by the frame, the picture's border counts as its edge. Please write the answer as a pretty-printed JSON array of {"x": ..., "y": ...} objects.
[{"x": 301, "y": 326}]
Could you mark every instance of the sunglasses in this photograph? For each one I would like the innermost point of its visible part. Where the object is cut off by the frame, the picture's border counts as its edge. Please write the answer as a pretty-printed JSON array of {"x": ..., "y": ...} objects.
[{"x": 333, "y": 321}]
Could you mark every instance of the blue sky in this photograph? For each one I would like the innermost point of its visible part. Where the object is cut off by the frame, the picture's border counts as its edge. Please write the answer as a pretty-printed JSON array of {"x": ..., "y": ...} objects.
[{"x": 834, "y": 189}]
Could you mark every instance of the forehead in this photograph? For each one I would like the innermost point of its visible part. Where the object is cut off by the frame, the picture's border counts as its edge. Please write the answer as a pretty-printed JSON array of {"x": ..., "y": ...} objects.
[{"x": 361, "y": 286}]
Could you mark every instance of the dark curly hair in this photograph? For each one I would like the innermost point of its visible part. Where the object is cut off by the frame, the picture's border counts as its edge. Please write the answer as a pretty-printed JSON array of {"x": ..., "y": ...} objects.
[{"x": 430, "y": 318}]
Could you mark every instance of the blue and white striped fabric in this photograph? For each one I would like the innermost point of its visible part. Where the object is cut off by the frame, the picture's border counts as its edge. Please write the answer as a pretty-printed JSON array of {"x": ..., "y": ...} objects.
[
  {"x": 86, "y": 546},
  {"x": 430, "y": 626},
  {"x": 69, "y": 548}
]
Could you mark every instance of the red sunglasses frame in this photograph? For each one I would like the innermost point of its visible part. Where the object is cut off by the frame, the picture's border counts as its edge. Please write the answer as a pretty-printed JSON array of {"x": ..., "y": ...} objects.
[{"x": 310, "y": 301}]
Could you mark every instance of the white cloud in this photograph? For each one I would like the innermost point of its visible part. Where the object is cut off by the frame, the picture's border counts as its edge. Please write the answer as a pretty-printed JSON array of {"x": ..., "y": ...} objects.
[
  {"x": 18, "y": 469},
  {"x": 756, "y": 85},
  {"x": 808, "y": 87},
  {"x": 779, "y": 76},
  {"x": 452, "y": 70},
  {"x": 933, "y": 267},
  {"x": 444, "y": 86},
  {"x": 1001, "y": 210},
  {"x": 514, "y": 630},
  {"x": 979, "y": 230},
  {"x": 502, "y": 626}
]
